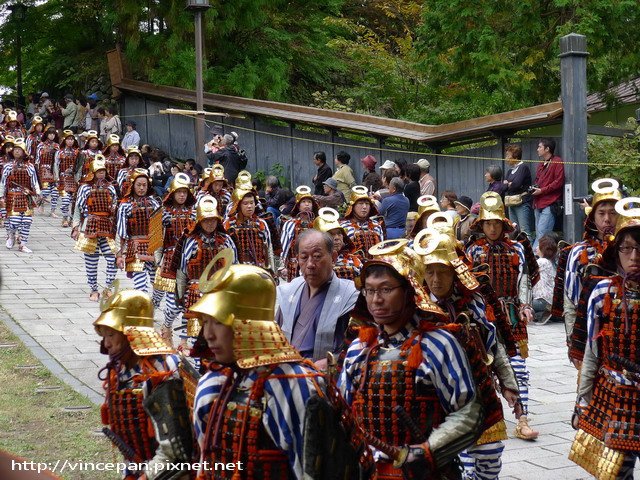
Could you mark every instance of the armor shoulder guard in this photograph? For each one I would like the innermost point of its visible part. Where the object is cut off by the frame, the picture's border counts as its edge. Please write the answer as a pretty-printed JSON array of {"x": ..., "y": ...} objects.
[
  {"x": 329, "y": 449},
  {"x": 530, "y": 258},
  {"x": 167, "y": 408},
  {"x": 557, "y": 302},
  {"x": 471, "y": 240}
]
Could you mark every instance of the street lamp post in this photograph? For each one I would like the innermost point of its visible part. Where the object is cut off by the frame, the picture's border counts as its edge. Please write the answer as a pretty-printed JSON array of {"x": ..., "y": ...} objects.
[
  {"x": 18, "y": 12},
  {"x": 198, "y": 7}
]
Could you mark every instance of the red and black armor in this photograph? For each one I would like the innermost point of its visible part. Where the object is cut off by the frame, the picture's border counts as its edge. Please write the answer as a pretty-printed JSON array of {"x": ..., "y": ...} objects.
[
  {"x": 249, "y": 241},
  {"x": 557, "y": 303},
  {"x": 67, "y": 163},
  {"x": 138, "y": 230},
  {"x": 114, "y": 164},
  {"x": 124, "y": 413},
  {"x": 180, "y": 220},
  {"x": 18, "y": 186},
  {"x": 236, "y": 433},
  {"x": 101, "y": 214},
  {"x": 45, "y": 165},
  {"x": 613, "y": 413},
  {"x": 365, "y": 237},
  {"x": 388, "y": 381},
  {"x": 207, "y": 248},
  {"x": 347, "y": 266},
  {"x": 302, "y": 223}
]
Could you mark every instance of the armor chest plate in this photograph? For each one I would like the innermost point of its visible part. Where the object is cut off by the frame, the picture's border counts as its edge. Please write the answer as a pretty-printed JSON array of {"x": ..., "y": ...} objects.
[
  {"x": 114, "y": 164},
  {"x": 389, "y": 382},
  {"x": 249, "y": 243},
  {"x": 364, "y": 238},
  {"x": 180, "y": 221},
  {"x": 207, "y": 249},
  {"x": 138, "y": 222},
  {"x": 620, "y": 332},
  {"x": 67, "y": 160},
  {"x": 19, "y": 177},
  {"x": 47, "y": 155},
  {"x": 504, "y": 267},
  {"x": 100, "y": 200}
]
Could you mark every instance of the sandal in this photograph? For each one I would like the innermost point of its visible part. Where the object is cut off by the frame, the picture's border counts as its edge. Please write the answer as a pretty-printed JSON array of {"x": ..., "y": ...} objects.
[
  {"x": 524, "y": 431},
  {"x": 94, "y": 296},
  {"x": 167, "y": 335}
]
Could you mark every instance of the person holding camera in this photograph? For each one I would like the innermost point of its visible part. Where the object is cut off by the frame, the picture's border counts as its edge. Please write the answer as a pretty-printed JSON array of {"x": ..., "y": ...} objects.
[
  {"x": 518, "y": 182},
  {"x": 547, "y": 191}
]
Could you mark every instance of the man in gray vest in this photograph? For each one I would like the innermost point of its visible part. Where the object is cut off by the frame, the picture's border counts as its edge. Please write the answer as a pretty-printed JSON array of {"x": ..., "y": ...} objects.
[{"x": 314, "y": 308}]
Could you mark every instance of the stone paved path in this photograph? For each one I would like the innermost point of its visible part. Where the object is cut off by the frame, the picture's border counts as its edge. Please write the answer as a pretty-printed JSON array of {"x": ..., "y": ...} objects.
[{"x": 47, "y": 296}]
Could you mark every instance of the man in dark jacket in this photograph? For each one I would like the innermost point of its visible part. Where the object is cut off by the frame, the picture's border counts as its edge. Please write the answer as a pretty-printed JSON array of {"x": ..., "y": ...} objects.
[
  {"x": 324, "y": 172},
  {"x": 229, "y": 157},
  {"x": 275, "y": 196}
]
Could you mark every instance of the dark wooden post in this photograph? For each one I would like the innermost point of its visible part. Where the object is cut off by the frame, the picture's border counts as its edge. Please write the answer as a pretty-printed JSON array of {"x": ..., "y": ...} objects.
[{"x": 573, "y": 75}]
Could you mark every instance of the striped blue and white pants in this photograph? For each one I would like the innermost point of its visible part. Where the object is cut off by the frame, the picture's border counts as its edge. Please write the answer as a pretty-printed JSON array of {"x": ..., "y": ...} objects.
[
  {"x": 519, "y": 366},
  {"x": 91, "y": 265},
  {"x": 65, "y": 204},
  {"x": 141, "y": 279},
  {"x": 51, "y": 191},
  {"x": 21, "y": 225},
  {"x": 482, "y": 462},
  {"x": 171, "y": 309}
]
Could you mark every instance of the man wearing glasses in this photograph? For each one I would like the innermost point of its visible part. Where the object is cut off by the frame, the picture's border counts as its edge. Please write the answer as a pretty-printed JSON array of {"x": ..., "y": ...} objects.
[{"x": 406, "y": 378}]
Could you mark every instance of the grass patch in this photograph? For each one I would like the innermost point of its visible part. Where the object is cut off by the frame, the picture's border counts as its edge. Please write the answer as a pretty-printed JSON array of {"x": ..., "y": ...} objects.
[{"x": 33, "y": 425}]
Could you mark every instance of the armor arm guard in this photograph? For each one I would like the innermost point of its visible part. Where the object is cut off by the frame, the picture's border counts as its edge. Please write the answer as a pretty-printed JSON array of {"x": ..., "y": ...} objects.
[
  {"x": 56, "y": 166},
  {"x": 587, "y": 373},
  {"x": 3, "y": 182},
  {"x": 569, "y": 317},
  {"x": 167, "y": 408},
  {"x": 458, "y": 431},
  {"x": 181, "y": 283},
  {"x": 79, "y": 164},
  {"x": 503, "y": 369},
  {"x": 77, "y": 219}
]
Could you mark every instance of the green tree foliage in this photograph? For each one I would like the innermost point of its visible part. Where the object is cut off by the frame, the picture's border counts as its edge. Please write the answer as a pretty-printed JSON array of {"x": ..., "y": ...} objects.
[
  {"x": 486, "y": 56},
  {"x": 617, "y": 157}
]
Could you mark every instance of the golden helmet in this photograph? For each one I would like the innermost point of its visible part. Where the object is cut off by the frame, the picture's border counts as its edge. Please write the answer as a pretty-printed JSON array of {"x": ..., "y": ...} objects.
[
  {"x": 407, "y": 263},
  {"x": 243, "y": 298},
  {"x": 180, "y": 180},
  {"x": 20, "y": 143},
  {"x": 131, "y": 313},
  {"x": 437, "y": 244},
  {"x": 360, "y": 192},
  {"x": 137, "y": 173},
  {"x": 397, "y": 255},
  {"x": 205, "y": 173},
  {"x": 427, "y": 205},
  {"x": 89, "y": 134},
  {"x": 68, "y": 133},
  {"x": 303, "y": 192},
  {"x": 133, "y": 149},
  {"x": 207, "y": 208},
  {"x": 113, "y": 139},
  {"x": 217, "y": 173},
  {"x": 98, "y": 163},
  {"x": 11, "y": 116},
  {"x": 491, "y": 208},
  {"x": 243, "y": 188},
  {"x": 36, "y": 120},
  {"x": 604, "y": 189},
  {"x": 327, "y": 220},
  {"x": 628, "y": 214},
  {"x": 8, "y": 139}
]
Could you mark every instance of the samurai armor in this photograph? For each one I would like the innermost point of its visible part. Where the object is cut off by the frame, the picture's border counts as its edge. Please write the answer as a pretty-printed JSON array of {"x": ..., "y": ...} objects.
[
  {"x": 347, "y": 266},
  {"x": 504, "y": 267},
  {"x": 557, "y": 304},
  {"x": 45, "y": 167},
  {"x": 89, "y": 245},
  {"x": 190, "y": 377},
  {"x": 595, "y": 457},
  {"x": 206, "y": 250},
  {"x": 100, "y": 207},
  {"x": 241, "y": 436},
  {"x": 127, "y": 418},
  {"x": 291, "y": 262},
  {"x": 365, "y": 238},
  {"x": 250, "y": 243},
  {"x": 389, "y": 381},
  {"x": 613, "y": 414},
  {"x": 167, "y": 408},
  {"x": 67, "y": 159},
  {"x": 137, "y": 254},
  {"x": 496, "y": 313},
  {"x": 180, "y": 221},
  {"x": 114, "y": 164},
  {"x": 531, "y": 263},
  {"x": 17, "y": 182}
]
